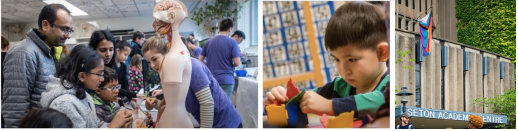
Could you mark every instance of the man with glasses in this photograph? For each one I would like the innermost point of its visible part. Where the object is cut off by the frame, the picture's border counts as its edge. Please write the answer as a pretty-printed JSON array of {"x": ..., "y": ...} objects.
[{"x": 29, "y": 63}]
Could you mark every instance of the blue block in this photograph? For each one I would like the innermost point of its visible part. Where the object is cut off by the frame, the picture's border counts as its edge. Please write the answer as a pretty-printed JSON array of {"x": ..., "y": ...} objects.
[{"x": 295, "y": 116}]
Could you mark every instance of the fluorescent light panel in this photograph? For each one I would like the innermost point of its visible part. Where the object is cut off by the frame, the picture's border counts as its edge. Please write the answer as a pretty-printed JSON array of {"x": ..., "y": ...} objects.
[{"x": 73, "y": 9}]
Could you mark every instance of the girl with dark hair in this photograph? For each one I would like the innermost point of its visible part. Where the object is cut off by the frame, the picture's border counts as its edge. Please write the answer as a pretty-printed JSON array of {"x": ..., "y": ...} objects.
[
  {"x": 66, "y": 92},
  {"x": 45, "y": 118},
  {"x": 123, "y": 49}
]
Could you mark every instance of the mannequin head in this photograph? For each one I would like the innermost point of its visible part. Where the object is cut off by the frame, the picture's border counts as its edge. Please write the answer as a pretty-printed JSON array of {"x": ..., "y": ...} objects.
[{"x": 168, "y": 14}]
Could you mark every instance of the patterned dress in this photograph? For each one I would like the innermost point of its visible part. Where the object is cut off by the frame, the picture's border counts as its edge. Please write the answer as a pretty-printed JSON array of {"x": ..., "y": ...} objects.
[{"x": 136, "y": 81}]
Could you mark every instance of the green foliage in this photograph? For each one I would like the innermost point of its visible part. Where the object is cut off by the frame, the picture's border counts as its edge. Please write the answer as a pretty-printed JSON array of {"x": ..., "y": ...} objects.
[
  {"x": 502, "y": 104},
  {"x": 488, "y": 25},
  {"x": 213, "y": 12},
  {"x": 402, "y": 56},
  {"x": 153, "y": 77}
]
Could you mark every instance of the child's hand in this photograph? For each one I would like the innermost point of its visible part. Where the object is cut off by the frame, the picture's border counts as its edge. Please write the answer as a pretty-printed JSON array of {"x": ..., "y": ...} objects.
[
  {"x": 276, "y": 94},
  {"x": 141, "y": 96},
  {"x": 312, "y": 102},
  {"x": 157, "y": 92},
  {"x": 121, "y": 118}
]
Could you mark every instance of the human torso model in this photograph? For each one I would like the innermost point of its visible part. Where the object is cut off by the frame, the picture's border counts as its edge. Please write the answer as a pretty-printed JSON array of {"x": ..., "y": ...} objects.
[{"x": 175, "y": 69}]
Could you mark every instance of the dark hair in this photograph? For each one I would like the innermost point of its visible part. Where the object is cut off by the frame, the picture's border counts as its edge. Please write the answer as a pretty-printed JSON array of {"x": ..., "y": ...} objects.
[
  {"x": 225, "y": 24},
  {"x": 49, "y": 13},
  {"x": 359, "y": 23},
  {"x": 97, "y": 37},
  {"x": 81, "y": 59},
  {"x": 191, "y": 35},
  {"x": 121, "y": 44},
  {"x": 189, "y": 41},
  {"x": 109, "y": 76},
  {"x": 45, "y": 118},
  {"x": 239, "y": 33},
  {"x": 183, "y": 39},
  {"x": 137, "y": 35},
  {"x": 5, "y": 42}
]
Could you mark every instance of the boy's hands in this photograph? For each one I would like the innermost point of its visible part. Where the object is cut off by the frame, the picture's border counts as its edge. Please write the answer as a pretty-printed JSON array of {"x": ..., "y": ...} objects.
[
  {"x": 122, "y": 118},
  {"x": 313, "y": 103},
  {"x": 276, "y": 94}
]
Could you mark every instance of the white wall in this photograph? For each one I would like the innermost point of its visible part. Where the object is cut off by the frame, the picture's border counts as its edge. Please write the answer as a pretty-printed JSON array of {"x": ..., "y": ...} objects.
[{"x": 244, "y": 23}]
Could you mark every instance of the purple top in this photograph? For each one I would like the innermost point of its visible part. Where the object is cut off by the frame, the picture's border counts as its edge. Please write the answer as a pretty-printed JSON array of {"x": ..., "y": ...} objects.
[
  {"x": 220, "y": 52},
  {"x": 197, "y": 52},
  {"x": 225, "y": 114}
]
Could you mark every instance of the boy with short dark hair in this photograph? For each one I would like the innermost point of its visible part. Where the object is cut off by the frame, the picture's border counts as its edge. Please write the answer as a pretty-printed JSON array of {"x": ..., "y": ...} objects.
[
  {"x": 357, "y": 41},
  {"x": 106, "y": 96}
]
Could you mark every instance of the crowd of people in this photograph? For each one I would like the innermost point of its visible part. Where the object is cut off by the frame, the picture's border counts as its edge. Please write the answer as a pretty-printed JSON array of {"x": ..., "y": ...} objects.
[{"x": 97, "y": 85}]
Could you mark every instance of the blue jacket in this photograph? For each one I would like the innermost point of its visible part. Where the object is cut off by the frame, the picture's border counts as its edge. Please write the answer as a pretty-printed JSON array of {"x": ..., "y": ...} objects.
[
  {"x": 27, "y": 68},
  {"x": 409, "y": 126}
]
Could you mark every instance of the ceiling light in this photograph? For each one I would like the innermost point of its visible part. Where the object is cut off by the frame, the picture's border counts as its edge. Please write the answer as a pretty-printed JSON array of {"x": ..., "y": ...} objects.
[{"x": 74, "y": 11}]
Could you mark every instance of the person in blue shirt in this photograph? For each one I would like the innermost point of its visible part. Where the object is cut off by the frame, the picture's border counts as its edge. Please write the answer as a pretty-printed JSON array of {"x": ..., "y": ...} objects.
[
  {"x": 195, "y": 49},
  {"x": 222, "y": 55},
  {"x": 404, "y": 122}
]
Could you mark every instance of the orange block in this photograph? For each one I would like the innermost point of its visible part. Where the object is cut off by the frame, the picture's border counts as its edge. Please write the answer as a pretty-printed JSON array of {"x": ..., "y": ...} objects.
[
  {"x": 344, "y": 120},
  {"x": 277, "y": 114}
]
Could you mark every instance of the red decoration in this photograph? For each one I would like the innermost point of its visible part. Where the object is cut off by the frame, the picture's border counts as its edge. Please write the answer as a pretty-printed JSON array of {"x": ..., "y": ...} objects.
[{"x": 292, "y": 90}]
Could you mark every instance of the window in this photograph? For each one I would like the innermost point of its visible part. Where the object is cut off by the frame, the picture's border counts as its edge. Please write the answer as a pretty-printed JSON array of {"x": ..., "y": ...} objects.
[
  {"x": 399, "y": 1},
  {"x": 406, "y": 24},
  {"x": 417, "y": 84},
  {"x": 420, "y": 5},
  {"x": 399, "y": 22},
  {"x": 253, "y": 21},
  {"x": 406, "y": 3},
  {"x": 413, "y": 4},
  {"x": 426, "y": 6}
]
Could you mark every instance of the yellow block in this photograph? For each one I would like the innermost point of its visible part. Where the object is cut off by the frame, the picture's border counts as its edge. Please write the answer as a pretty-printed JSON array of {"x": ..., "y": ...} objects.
[
  {"x": 344, "y": 120},
  {"x": 277, "y": 115}
]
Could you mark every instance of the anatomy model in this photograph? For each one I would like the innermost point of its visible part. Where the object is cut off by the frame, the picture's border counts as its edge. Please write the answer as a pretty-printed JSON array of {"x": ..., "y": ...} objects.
[{"x": 175, "y": 69}]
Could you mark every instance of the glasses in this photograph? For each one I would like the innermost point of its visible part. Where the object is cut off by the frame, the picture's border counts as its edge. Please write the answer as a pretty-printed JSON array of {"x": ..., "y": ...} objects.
[
  {"x": 64, "y": 29},
  {"x": 118, "y": 87},
  {"x": 99, "y": 75}
]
